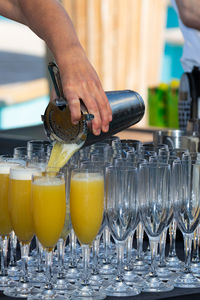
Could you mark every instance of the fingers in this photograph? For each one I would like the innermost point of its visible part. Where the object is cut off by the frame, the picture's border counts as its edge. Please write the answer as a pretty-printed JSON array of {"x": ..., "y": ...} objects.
[
  {"x": 96, "y": 103},
  {"x": 80, "y": 81},
  {"x": 74, "y": 106}
]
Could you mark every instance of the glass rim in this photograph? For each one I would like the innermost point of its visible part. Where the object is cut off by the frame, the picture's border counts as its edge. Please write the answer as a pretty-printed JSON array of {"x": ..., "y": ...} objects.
[
  {"x": 85, "y": 169},
  {"x": 154, "y": 164},
  {"x": 126, "y": 167}
]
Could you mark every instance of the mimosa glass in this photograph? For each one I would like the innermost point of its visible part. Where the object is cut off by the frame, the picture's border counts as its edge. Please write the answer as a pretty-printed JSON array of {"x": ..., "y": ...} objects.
[
  {"x": 49, "y": 211},
  {"x": 5, "y": 222},
  {"x": 19, "y": 203},
  {"x": 86, "y": 209}
]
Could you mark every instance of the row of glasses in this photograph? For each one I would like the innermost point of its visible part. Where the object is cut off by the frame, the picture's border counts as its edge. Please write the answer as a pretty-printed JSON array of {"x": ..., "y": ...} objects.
[
  {"x": 119, "y": 167},
  {"x": 5, "y": 221},
  {"x": 19, "y": 204}
]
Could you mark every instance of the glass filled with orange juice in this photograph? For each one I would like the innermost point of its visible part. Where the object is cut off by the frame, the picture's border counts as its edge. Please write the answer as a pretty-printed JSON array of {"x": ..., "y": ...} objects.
[
  {"x": 19, "y": 207},
  {"x": 49, "y": 211},
  {"x": 86, "y": 211},
  {"x": 5, "y": 222}
]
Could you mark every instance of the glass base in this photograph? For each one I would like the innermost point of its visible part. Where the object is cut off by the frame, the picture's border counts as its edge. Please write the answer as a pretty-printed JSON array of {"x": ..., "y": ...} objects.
[
  {"x": 121, "y": 289},
  {"x": 195, "y": 268},
  {"x": 187, "y": 280},
  {"x": 37, "y": 279},
  {"x": 97, "y": 281},
  {"x": 5, "y": 282},
  {"x": 165, "y": 274},
  {"x": 140, "y": 267},
  {"x": 154, "y": 284},
  {"x": 131, "y": 277},
  {"x": 21, "y": 290},
  {"x": 13, "y": 271},
  {"x": 72, "y": 273},
  {"x": 174, "y": 263},
  {"x": 46, "y": 295},
  {"x": 88, "y": 292},
  {"x": 61, "y": 284},
  {"x": 107, "y": 269}
]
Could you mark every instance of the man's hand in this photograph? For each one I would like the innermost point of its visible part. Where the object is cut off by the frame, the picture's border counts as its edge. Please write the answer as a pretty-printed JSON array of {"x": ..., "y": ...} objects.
[{"x": 80, "y": 81}]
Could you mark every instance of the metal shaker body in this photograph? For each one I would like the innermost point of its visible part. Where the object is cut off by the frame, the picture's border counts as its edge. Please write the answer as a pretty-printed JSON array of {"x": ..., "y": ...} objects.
[{"x": 127, "y": 109}]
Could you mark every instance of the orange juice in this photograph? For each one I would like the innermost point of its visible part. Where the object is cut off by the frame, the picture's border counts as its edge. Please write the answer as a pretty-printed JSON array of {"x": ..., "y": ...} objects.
[
  {"x": 61, "y": 153},
  {"x": 5, "y": 223},
  {"x": 86, "y": 205},
  {"x": 49, "y": 208},
  {"x": 19, "y": 200},
  {"x": 67, "y": 225}
]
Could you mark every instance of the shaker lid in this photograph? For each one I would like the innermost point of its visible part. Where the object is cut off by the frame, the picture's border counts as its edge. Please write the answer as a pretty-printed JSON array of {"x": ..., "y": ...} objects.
[{"x": 58, "y": 125}]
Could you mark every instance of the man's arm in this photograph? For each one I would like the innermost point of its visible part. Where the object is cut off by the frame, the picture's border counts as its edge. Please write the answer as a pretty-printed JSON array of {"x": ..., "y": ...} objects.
[
  {"x": 49, "y": 20},
  {"x": 10, "y": 9},
  {"x": 189, "y": 11}
]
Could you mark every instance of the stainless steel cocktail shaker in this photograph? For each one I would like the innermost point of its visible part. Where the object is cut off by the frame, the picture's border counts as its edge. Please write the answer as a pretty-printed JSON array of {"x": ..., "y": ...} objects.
[{"x": 127, "y": 109}]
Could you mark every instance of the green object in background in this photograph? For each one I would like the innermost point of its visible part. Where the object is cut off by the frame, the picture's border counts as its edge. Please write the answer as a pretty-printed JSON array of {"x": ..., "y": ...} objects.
[
  {"x": 172, "y": 105},
  {"x": 157, "y": 101},
  {"x": 163, "y": 105}
]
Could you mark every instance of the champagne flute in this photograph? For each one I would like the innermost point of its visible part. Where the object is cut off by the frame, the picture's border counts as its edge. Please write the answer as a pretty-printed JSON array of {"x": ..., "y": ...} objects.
[
  {"x": 19, "y": 203},
  {"x": 5, "y": 222},
  {"x": 187, "y": 212},
  {"x": 154, "y": 180},
  {"x": 122, "y": 216},
  {"x": 86, "y": 210},
  {"x": 49, "y": 212}
]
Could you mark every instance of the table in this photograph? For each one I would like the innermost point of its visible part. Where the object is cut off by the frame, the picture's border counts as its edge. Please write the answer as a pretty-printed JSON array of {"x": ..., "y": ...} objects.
[{"x": 10, "y": 140}]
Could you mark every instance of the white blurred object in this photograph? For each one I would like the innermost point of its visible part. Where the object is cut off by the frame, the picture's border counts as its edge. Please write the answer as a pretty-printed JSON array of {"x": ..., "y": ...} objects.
[{"x": 19, "y": 38}]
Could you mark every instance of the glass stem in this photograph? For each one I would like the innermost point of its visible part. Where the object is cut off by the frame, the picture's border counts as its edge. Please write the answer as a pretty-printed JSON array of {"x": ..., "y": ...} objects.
[
  {"x": 4, "y": 251},
  {"x": 198, "y": 242},
  {"x": 106, "y": 241},
  {"x": 187, "y": 248},
  {"x": 154, "y": 251},
  {"x": 140, "y": 235},
  {"x": 129, "y": 246},
  {"x": 24, "y": 257},
  {"x": 172, "y": 235},
  {"x": 48, "y": 267},
  {"x": 39, "y": 256},
  {"x": 13, "y": 246},
  {"x": 73, "y": 240},
  {"x": 120, "y": 259},
  {"x": 61, "y": 252},
  {"x": 95, "y": 251},
  {"x": 162, "y": 248},
  {"x": 86, "y": 259},
  {"x": 195, "y": 254}
]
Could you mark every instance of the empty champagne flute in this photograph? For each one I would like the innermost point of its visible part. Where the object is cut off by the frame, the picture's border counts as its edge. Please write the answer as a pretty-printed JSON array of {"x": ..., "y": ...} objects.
[
  {"x": 122, "y": 216},
  {"x": 154, "y": 181},
  {"x": 187, "y": 213}
]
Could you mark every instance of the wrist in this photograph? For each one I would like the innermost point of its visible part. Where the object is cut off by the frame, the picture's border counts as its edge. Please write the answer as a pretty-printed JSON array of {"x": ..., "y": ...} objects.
[{"x": 68, "y": 54}]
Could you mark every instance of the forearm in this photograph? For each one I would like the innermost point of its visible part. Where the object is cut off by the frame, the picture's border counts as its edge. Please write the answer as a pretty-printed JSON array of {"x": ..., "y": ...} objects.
[
  {"x": 10, "y": 9},
  {"x": 189, "y": 11},
  {"x": 49, "y": 20}
]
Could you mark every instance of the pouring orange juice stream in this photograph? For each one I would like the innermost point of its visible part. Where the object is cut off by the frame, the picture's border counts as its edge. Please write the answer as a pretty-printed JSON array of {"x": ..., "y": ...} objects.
[{"x": 60, "y": 154}]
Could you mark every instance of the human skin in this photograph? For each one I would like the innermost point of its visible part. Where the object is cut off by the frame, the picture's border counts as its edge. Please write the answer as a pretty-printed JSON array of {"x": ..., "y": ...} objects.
[
  {"x": 189, "y": 11},
  {"x": 49, "y": 20}
]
